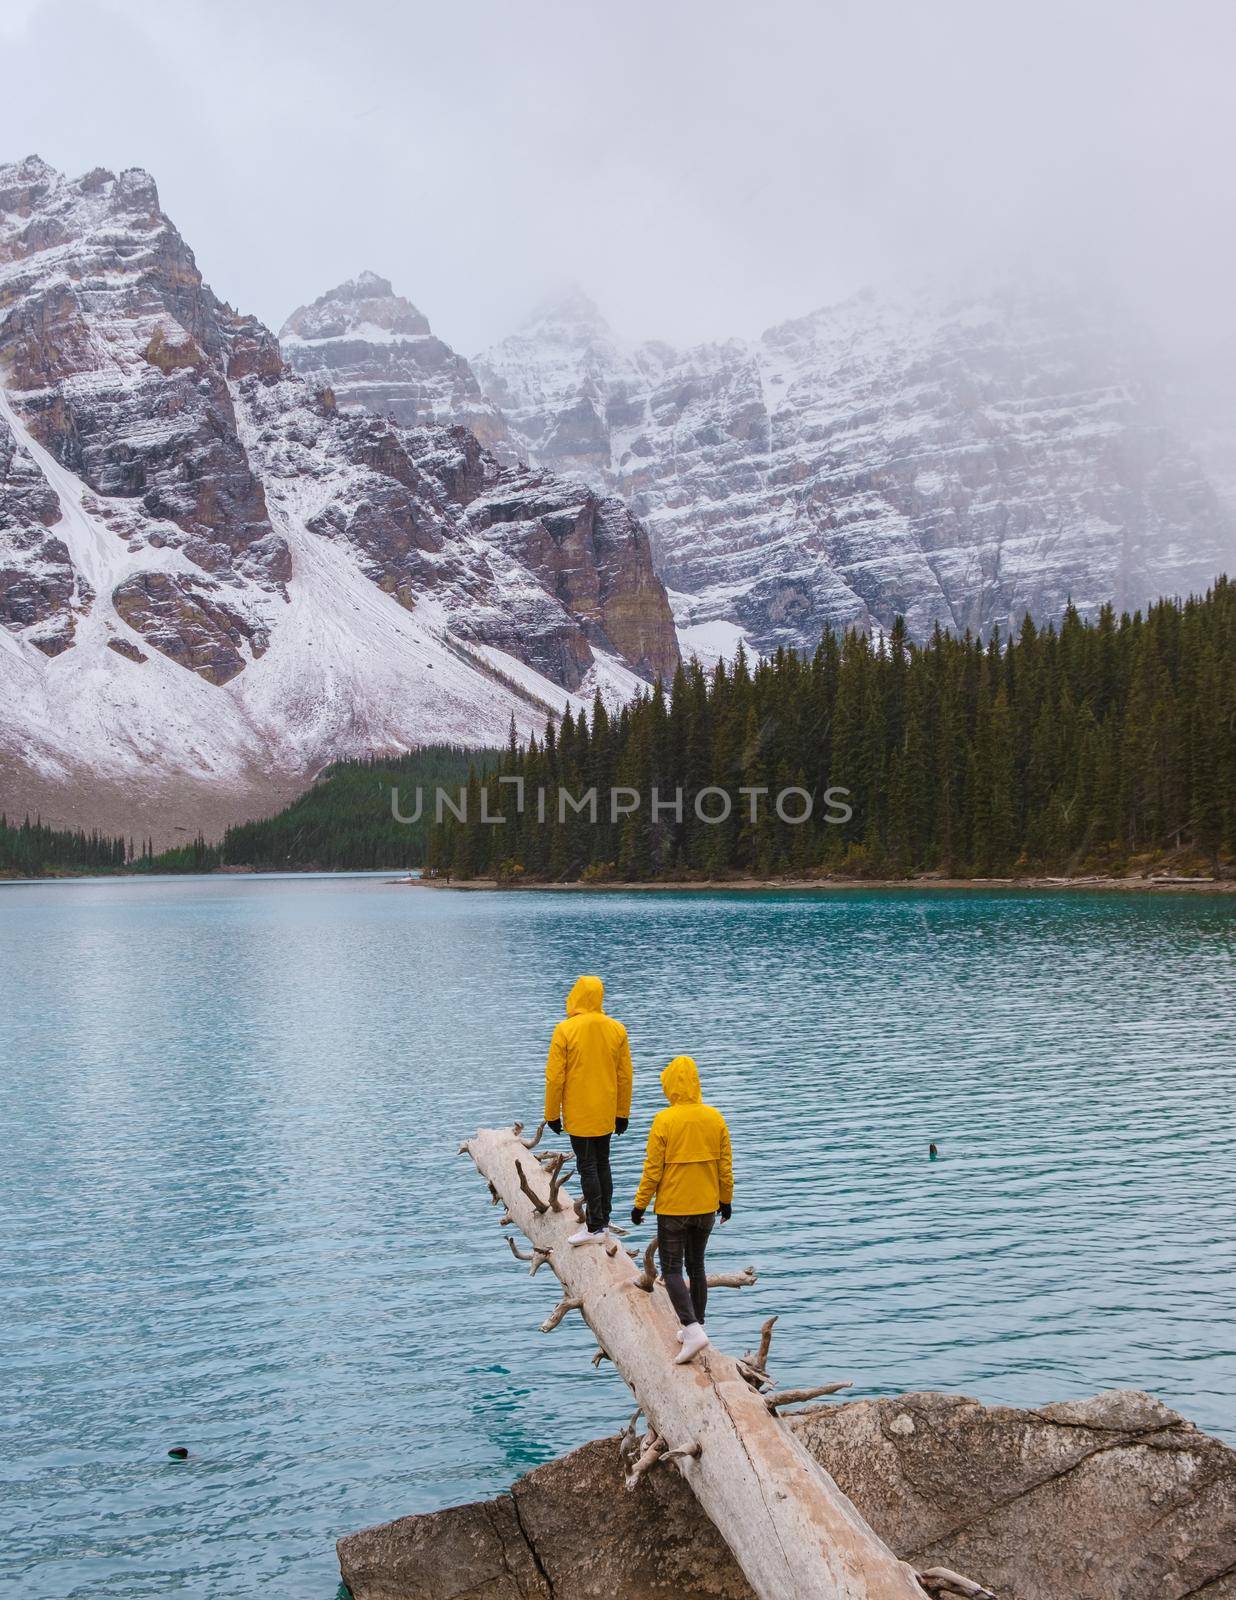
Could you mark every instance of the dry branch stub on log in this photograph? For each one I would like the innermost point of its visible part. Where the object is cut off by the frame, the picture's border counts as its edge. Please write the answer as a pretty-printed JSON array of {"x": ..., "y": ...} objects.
[
  {"x": 534, "y": 1199},
  {"x": 940, "y": 1581},
  {"x": 628, "y": 1442},
  {"x": 557, "y": 1178},
  {"x": 653, "y": 1452},
  {"x": 792, "y": 1531},
  {"x": 648, "y": 1277},
  {"x": 796, "y": 1397},
  {"x": 760, "y": 1358},
  {"x": 733, "y": 1280},
  {"x": 560, "y": 1310}
]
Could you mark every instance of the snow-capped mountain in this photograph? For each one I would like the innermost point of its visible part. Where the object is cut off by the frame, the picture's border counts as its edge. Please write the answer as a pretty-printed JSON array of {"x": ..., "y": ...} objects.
[
  {"x": 378, "y": 352},
  {"x": 212, "y": 576},
  {"x": 961, "y": 460}
]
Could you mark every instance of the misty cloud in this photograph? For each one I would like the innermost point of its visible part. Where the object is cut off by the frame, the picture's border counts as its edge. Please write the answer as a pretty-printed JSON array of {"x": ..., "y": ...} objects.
[{"x": 703, "y": 169}]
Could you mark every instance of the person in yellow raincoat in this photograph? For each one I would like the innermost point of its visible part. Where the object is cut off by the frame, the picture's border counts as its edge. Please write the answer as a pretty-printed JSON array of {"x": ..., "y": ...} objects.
[
  {"x": 690, "y": 1170},
  {"x": 588, "y": 1093}
]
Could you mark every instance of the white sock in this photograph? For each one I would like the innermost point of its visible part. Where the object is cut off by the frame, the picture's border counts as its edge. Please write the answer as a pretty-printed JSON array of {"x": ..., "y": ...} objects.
[{"x": 693, "y": 1341}]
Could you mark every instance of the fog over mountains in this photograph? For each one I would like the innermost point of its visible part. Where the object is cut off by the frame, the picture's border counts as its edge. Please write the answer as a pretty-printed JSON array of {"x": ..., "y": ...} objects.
[{"x": 961, "y": 459}]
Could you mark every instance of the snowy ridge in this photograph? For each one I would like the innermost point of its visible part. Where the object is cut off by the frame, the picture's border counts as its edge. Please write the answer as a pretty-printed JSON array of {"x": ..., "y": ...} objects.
[
  {"x": 963, "y": 460},
  {"x": 209, "y": 570}
]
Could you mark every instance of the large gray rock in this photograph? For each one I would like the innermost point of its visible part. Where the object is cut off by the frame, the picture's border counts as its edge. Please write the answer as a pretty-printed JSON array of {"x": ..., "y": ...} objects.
[{"x": 1114, "y": 1498}]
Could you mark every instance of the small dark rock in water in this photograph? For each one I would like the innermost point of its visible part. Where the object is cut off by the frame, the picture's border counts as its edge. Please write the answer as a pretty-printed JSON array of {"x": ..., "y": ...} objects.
[
  {"x": 932, "y": 1152},
  {"x": 178, "y": 1453}
]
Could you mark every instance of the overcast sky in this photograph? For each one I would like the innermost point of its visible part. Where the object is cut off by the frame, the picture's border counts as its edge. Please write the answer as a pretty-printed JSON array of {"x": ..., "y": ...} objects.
[{"x": 702, "y": 167}]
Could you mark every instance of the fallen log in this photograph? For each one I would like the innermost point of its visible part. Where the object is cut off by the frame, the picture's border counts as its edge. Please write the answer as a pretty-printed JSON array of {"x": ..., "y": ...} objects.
[{"x": 791, "y": 1530}]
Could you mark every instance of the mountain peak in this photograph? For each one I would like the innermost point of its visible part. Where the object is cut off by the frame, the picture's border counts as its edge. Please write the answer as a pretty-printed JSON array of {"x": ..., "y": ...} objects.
[
  {"x": 31, "y": 168},
  {"x": 377, "y": 352},
  {"x": 569, "y": 308},
  {"x": 25, "y": 186},
  {"x": 365, "y": 307},
  {"x": 366, "y": 283},
  {"x": 23, "y": 181},
  {"x": 134, "y": 183}
]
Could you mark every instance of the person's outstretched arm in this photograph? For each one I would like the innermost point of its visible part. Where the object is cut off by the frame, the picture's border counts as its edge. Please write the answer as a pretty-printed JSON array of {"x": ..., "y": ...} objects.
[
  {"x": 654, "y": 1167},
  {"x": 555, "y": 1076},
  {"x": 725, "y": 1172}
]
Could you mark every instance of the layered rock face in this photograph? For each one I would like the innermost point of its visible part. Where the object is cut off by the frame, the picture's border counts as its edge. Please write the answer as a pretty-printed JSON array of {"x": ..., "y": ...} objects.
[
  {"x": 207, "y": 567},
  {"x": 38, "y": 586},
  {"x": 960, "y": 461},
  {"x": 378, "y": 352},
  {"x": 1113, "y": 1498},
  {"x": 120, "y": 355}
]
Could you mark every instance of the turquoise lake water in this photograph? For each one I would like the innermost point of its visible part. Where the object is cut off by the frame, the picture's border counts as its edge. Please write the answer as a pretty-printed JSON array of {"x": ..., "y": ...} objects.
[{"x": 232, "y": 1216}]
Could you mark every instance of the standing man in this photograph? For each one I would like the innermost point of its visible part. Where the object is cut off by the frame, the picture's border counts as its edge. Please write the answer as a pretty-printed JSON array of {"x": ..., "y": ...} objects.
[{"x": 588, "y": 1092}]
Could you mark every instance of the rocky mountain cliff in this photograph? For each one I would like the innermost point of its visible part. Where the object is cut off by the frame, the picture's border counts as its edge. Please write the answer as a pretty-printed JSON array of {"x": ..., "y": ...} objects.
[
  {"x": 377, "y": 352},
  {"x": 961, "y": 460},
  {"x": 209, "y": 571}
]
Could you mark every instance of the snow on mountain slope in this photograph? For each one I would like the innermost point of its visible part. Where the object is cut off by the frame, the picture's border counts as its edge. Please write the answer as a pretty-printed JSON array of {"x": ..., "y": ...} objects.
[
  {"x": 210, "y": 573},
  {"x": 348, "y": 669},
  {"x": 959, "y": 459}
]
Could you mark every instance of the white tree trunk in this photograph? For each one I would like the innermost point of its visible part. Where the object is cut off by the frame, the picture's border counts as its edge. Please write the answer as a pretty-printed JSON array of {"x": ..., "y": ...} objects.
[{"x": 792, "y": 1531}]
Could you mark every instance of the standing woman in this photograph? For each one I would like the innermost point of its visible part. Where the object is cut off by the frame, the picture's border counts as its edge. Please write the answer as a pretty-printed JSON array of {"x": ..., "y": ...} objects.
[
  {"x": 588, "y": 1092},
  {"x": 688, "y": 1167}
]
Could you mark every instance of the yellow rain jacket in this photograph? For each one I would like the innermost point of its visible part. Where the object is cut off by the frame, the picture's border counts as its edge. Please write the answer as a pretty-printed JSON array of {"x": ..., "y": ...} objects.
[
  {"x": 588, "y": 1074},
  {"x": 688, "y": 1165}
]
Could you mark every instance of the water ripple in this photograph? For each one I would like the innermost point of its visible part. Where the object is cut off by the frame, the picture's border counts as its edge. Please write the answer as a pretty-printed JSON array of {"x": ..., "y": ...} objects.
[{"x": 230, "y": 1215}]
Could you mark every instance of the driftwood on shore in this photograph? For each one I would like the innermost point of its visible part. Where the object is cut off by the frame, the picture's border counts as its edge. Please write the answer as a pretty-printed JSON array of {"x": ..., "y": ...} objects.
[{"x": 791, "y": 1530}]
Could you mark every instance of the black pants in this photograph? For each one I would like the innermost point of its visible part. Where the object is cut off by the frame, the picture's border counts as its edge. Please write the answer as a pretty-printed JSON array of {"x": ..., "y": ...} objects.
[
  {"x": 595, "y": 1177},
  {"x": 682, "y": 1241}
]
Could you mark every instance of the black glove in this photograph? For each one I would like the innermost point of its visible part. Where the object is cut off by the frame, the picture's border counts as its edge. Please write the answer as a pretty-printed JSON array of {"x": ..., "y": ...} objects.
[
  {"x": 621, "y": 1125},
  {"x": 556, "y": 1124},
  {"x": 726, "y": 1210},
  {"x": 637, "y": 1216}
]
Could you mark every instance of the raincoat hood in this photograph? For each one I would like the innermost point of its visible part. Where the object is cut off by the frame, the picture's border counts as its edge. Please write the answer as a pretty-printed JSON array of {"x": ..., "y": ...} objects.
[
  {"x": 587, "y": 995},
  {"x": 681, "y": 1081}
]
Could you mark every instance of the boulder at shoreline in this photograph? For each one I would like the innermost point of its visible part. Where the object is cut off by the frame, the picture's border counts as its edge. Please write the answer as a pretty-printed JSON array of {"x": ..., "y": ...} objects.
[{"x": 1112, "y": 1498}]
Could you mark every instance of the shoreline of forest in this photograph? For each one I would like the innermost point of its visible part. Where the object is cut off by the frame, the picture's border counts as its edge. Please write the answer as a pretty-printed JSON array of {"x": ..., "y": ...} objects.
[{"x": 799, "y": 885}]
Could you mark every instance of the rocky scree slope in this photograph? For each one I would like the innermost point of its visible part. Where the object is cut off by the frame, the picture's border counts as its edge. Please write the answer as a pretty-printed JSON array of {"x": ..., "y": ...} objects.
[
  {"x": 960, "y": 459},
  {"x": 210, "y": 571}
]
